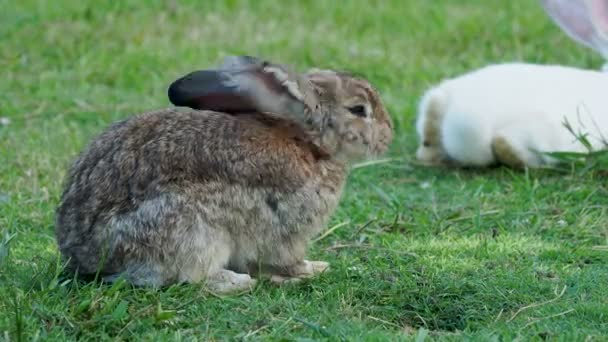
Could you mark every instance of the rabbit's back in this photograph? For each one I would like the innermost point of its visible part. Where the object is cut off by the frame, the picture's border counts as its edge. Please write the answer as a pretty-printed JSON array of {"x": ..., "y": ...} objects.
[
  {"x": 507, "y": 92},
  {"x": 133, "y": 158}
]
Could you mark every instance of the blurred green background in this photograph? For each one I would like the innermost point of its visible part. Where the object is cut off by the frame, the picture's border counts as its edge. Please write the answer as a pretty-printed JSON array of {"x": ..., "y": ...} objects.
[{"x": 426, "y": 253}]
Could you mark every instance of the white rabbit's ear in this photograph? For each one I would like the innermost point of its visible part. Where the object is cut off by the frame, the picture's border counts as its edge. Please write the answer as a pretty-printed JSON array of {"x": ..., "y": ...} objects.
[
  {"x": 243, "y": 84},
  {"x": 598, "y": 10},
  {"x": 586, "y": 21}
]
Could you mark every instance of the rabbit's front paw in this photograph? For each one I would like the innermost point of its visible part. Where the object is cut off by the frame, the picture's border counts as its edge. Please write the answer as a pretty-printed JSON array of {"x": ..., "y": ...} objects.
[
  {"x": 306, "y": 269},
  {"x": 318, "y": 266}
]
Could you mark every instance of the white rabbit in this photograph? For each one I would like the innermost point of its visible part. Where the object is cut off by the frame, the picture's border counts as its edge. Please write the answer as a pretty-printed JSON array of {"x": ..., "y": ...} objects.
[{"x": 514, "y": 112}]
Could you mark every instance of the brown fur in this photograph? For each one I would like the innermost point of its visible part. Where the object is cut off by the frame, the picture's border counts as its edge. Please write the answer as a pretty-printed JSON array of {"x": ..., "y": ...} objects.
[
  {"x": 430, "y": 150},
  {"x": 506, "y": 154},
  {"x": 189, "y": 195}
]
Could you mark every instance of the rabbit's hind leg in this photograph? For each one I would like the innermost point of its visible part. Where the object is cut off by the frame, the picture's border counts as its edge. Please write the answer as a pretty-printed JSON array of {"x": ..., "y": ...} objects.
[
  {"x": 204, "y": 250},
  {"x": 514, "y": 145},
  {"x": 167, "y": 240},
  {"x": 506, "y": 154},
  {"x": 203, "y": 256}
]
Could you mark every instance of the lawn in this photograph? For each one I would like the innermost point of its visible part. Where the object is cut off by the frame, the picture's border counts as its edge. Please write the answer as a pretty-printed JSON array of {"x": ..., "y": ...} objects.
[{"x": 419, "y": 253}]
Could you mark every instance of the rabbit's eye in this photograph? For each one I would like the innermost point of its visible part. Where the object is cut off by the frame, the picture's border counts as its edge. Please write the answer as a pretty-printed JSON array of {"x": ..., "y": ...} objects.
[{"x": 358, "y": 111}]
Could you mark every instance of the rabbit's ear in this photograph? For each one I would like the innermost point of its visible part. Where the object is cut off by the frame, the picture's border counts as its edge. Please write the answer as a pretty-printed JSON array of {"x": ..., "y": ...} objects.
[
  {"x": 599, "y": 16},
  {"x": 586, "y": 21},
  {"x": 242, "y": 84}
]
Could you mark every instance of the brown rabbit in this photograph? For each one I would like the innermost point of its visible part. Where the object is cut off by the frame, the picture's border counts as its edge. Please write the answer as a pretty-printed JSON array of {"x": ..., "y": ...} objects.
[{"x": 225, "y": 189}]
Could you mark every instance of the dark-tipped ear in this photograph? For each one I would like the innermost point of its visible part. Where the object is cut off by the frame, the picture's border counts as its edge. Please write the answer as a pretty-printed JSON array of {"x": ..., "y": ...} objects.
[
  {"x": 209, "y": 90},
  {"x": 243, "y": 84}
]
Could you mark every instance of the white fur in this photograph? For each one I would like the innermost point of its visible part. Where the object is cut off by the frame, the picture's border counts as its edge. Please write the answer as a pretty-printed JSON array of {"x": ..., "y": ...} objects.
[
  {"x": 519, "y": 105},
  {"x": 524, "y": 103}
]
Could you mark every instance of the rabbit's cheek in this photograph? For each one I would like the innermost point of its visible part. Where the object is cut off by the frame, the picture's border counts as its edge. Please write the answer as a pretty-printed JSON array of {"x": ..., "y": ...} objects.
[
  {"x": 353, "y": 147},
  {"x": 362, "y": 129},
  {"x": 380, "y": 138}
]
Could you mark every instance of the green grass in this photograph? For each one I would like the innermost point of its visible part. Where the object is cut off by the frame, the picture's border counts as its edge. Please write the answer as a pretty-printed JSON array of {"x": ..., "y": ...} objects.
[{"x": 429, "y": 253}]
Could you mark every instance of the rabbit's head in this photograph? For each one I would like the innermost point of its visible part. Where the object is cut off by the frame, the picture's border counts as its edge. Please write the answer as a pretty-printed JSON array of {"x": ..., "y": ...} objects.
[
  {"x": 341, "y": 113},
  {"x": 350, "y": 119},
  {"x": 585, "y": 21}
]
